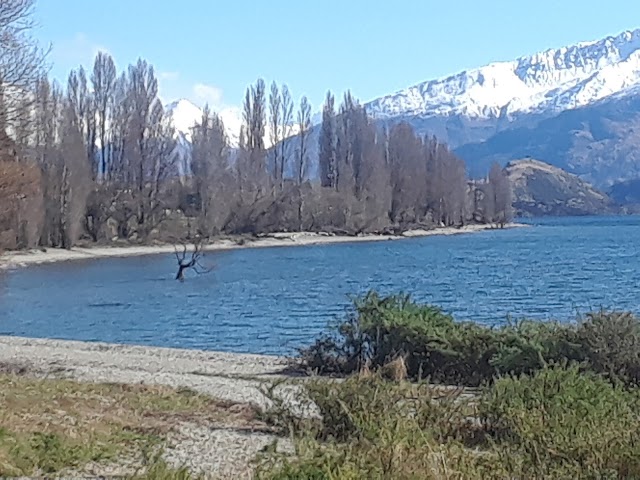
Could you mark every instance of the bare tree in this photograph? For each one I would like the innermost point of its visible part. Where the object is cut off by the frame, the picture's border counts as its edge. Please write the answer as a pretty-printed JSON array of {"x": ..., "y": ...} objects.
[
  {"x": 304, "y": 126},
  {"x": 454, "y": 188},
  {"x": 287, "y": 125},
  {"x": 254, "y": 195},
  {"x": 121, "y": 134},
  {"x": 48, "y": 107},
  {"x": 210, "y": 167},
  {"x": 407, "y": 174},
  {"x": 20, "y": 203},
  {"x": 499, "y": 193},
  {"x": 111, "y": 200},
  {"x": 151, "y": 152},
  {"x": 251, "y": 161},
  {"x": 327, "y": 145},
  {"x": 74, "y": 179},
  {"x": 114, "y": 130},
  {"x": 275, "y": 103},
  {"x": 22, "y": 64},
  {"x": 186, "y": 262},
  {"x": 61, "y": 154},
  {"x": 373, "y": 181},
  {"x": 353, "y": 127},
  {"x": 81, "y": 101},
  {"x": 254, "y": 118},
  {"x": 103, "y": 81}
]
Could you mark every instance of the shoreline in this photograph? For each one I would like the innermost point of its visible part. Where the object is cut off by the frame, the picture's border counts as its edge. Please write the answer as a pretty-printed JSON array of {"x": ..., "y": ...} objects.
[{"x": 19, "y": 259}]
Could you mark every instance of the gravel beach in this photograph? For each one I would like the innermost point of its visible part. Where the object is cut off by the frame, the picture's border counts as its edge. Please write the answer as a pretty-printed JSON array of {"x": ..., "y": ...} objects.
[
  {"x": 217, "y": 451},
  {"x": 226, "y": 376}
]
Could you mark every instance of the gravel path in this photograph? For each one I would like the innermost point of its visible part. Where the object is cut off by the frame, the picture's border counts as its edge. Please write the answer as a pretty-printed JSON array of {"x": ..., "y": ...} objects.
[{"x": 217, "y": 451}]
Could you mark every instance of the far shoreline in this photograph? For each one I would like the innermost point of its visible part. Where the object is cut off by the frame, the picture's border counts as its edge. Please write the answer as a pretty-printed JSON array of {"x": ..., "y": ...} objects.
[{"x": 19, "y": 259}]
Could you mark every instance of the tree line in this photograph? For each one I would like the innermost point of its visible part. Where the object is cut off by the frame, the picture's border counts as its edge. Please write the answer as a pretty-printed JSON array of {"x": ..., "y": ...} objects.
[{"x": 97, "y": 159}]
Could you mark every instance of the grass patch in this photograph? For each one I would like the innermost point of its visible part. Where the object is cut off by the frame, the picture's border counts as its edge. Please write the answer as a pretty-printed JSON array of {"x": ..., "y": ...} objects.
[{"x": 56, "y": 426}]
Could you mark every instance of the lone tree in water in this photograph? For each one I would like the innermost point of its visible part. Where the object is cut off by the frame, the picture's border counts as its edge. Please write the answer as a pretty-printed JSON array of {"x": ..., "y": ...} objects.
[{"x": 185, "y": 262}]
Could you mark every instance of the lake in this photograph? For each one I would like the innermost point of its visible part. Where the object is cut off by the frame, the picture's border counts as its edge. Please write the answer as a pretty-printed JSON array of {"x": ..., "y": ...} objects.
[{"x": 273, "y": 300}]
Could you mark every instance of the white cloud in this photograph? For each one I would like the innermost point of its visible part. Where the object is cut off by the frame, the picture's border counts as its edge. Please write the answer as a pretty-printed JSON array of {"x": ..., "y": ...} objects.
[
  {"x": 172, "y": 86},
  {"x": 169, "y": 76},
  {"x": 208, "y": 94}
]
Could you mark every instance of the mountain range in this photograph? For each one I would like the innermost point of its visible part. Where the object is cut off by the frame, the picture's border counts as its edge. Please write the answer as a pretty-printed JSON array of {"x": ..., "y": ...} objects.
[{"x": 575, "y": 107}]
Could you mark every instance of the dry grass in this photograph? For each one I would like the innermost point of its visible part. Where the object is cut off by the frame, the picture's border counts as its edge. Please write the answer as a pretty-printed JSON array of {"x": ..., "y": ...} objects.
[{"x": 55, "y": 426}]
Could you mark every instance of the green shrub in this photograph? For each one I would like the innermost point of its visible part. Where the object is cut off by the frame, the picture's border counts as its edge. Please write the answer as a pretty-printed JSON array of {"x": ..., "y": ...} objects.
[
  {"x": 563, "y": 420},
  {"x": 559, "y": 400},
  {"x": 611, "y": 344},
  {"x": 380, "y": 430},
  {"x": 380, "y": 329},
  {"x": 560, "y": 423},
  {"x": 359, "y": 408},
  {"x": 433, "y": 345}
]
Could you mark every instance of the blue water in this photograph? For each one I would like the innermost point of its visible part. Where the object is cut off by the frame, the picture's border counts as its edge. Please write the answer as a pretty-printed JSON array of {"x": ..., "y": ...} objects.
[{"x": 275, "y": 300}]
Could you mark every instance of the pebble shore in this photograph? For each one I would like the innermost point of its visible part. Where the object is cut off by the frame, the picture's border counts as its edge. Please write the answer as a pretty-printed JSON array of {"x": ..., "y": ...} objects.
[{"x": 217, "y": 452}]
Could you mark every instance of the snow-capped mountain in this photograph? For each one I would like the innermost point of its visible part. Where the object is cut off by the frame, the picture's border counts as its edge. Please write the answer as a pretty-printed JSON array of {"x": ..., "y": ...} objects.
[
  {"x": 548, "y": 82},
  {"x": 185, "y": 115},
  {"x": 576, "y": 107},
  {"x": 545, "y": 83}
]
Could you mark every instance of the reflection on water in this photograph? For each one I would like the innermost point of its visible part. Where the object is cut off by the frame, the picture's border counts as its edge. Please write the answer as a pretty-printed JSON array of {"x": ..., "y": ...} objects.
[{"x": 275, "y": 300}]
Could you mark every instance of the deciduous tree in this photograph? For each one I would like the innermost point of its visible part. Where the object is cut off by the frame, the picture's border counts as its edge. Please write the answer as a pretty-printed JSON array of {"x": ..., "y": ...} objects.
[
  {"x": 22, "y": 64},
  {"x": 327, "y": 158},
  {"x": 103, "y": 82},
  {"x": 499, "y": 196},
  {"x": 213, "y": 181}
]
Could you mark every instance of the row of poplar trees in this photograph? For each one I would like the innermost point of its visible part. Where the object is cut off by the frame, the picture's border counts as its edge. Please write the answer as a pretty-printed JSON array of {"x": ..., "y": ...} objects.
[{"x": 98, "y": 160}]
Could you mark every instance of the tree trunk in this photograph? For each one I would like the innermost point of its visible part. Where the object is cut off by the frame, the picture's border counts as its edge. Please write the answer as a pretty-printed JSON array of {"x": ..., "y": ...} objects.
[{"x": 180, "y": 274}]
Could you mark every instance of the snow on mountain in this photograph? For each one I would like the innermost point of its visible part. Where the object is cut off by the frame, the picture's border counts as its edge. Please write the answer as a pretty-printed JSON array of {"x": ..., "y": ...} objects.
[
  {"x": 484, "y": 108},
  {"x": 551, "y": 81},
  {"x": 185, "y": 115}
]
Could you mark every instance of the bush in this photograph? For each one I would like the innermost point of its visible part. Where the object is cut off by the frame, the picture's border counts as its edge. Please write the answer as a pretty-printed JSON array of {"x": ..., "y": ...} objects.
[
  {"x": 562, "y": 421},
  {"x": 358, "y": 408},
  {"x": 559, "y": 423},
  {"x": 378, "y": 430},
  {"x": 378, "y": 330},
  {"x": 558, "y": 400},
  {"x": 611, "y": 344}
]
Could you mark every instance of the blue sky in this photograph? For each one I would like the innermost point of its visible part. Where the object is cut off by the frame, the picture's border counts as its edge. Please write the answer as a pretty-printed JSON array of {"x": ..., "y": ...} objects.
[{"x": 210, "y": 50}]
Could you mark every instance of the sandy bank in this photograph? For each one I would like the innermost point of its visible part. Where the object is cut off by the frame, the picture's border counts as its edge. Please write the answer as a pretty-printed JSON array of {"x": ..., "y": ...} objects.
[{"x": 36, "y": 257}]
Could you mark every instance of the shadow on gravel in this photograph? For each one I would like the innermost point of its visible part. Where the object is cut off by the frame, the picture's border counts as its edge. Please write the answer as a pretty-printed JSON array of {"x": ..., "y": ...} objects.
[{"x": 14, "y": 369}]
